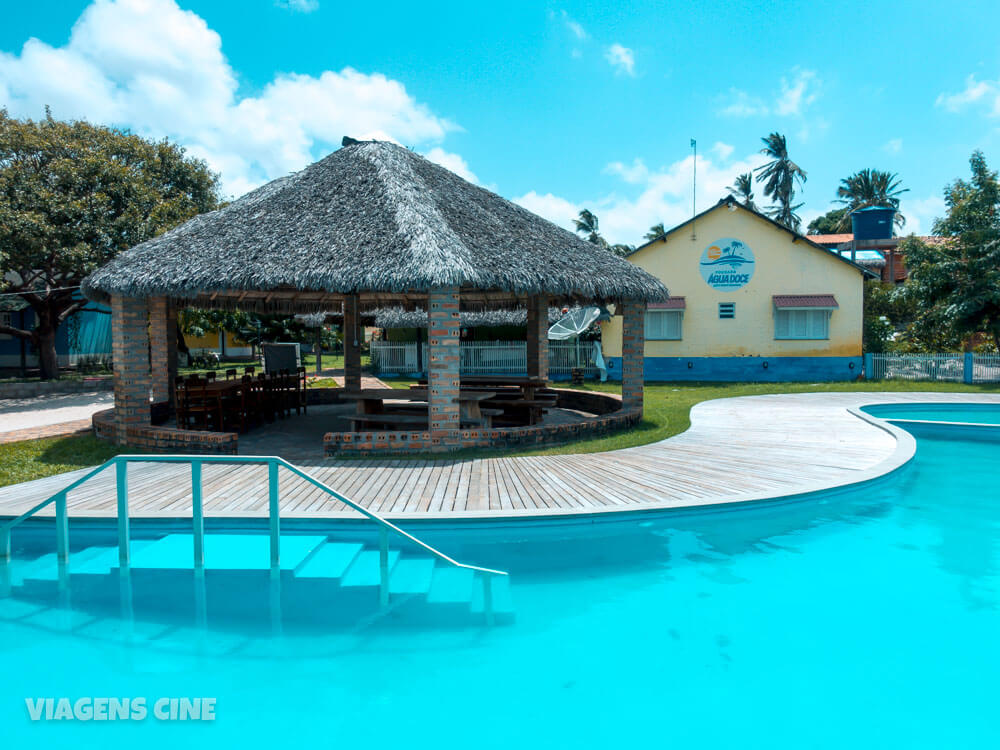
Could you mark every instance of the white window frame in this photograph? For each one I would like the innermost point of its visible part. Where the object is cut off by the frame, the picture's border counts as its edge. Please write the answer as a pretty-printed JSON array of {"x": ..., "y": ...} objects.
[
  {"x": 813, "y": 323},
  {"x": 660, "y": 334}
]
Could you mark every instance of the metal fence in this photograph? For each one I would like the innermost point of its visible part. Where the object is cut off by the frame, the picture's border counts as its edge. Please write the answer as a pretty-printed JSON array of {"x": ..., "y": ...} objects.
[
  {"x": 486, "y": 357},
  {"x": 956, "y": 368}
]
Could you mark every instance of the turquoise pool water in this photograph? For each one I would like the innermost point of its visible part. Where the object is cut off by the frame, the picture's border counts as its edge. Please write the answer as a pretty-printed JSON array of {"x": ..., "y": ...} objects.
[
  {"x": 979, "y": 413},
  {"x": 866, "y": 618}
]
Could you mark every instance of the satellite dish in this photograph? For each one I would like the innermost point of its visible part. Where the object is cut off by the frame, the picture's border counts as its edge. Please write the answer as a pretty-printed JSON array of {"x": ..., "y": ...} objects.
[{"x": 575, "y": 322}]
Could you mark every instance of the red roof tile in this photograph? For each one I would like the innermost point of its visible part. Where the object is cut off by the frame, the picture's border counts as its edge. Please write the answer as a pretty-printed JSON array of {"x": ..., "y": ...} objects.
[
  {"x": 804, "y": 300},
  {"x": 830, "y": 239},
  {"x": 672, "y": 303}
]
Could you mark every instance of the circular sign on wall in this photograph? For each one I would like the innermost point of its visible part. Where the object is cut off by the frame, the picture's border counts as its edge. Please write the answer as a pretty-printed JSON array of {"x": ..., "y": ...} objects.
[{"x": 727, "y": 265}]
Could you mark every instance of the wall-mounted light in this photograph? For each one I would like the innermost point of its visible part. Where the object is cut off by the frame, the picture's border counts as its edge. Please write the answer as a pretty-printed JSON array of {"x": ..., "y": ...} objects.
[
  {"x": 690, "y": 365},
  {"x": 765, "y": 365}
]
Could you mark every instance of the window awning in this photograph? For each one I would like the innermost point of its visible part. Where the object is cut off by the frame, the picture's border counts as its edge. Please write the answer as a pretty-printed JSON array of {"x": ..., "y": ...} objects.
[
  {"x": 672, "y": 303},
  {"x": 805, "y": 302}
]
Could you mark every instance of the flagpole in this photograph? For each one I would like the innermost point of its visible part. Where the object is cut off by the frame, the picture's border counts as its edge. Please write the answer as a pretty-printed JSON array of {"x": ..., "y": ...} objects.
[{"x": 694, "y": 187}]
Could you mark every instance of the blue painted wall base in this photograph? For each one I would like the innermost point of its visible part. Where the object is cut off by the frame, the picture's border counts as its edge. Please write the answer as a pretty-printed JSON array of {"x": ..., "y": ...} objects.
[{"x": 745, "y": 369}]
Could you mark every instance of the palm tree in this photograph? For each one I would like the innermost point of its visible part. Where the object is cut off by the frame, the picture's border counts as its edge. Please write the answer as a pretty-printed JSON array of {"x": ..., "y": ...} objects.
[
  {"x": 742, "y": 190},
  {"x": 656, "y": 232},
  {"x": 779, "y": 176},
  {"x": 587, "y": 224},
  {"x": 870, "y": 188}
]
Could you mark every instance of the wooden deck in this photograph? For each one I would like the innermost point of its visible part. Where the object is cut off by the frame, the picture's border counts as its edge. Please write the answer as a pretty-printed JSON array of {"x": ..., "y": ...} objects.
[{"x": 736, "y": 450}]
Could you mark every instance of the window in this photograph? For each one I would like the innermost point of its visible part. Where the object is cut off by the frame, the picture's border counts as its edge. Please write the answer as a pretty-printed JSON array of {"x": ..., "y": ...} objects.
[
  {"x": 663, "y": 325},
  {"x": 727, "y": 310},
  {"x": 802, "y": 324}
]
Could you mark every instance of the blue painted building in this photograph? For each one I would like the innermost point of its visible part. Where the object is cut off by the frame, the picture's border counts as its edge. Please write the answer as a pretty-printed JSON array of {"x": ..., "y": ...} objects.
[{"x": 85, "y": 335}]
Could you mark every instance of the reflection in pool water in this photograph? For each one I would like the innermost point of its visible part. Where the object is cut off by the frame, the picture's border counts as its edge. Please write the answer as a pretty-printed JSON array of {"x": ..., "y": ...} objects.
[{"x": 862, "y": 618}]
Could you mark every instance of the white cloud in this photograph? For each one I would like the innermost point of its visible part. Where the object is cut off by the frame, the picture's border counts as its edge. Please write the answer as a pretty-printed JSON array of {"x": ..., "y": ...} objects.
[
  {"x": 160, "y": 70},
  {"x": 722, "y": 150},
  {"x": 557, "y": 210},
  {"x": 797, "y": 95},
  {"x": 621, "y": 58},
  {"x": 792, "y": 99},
  {"x": 575, "y": 28},
  {"x": 893, "y": 146},
  {"x": 921, "y": 213},
  {"x": 631, "y": 173},
  {"x": 663, "y": 195},
  {"x": 741, "y": 104},
  {"x": 974, "y": 91},
  {"x": 451, "y": 161},
  {"x": 299, "y": 6}
]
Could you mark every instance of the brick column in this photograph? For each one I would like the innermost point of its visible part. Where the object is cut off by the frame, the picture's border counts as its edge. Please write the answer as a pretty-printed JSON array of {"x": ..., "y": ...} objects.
[
  {"x": 538, "y": 336},
  {"x": 633, "y": 353},
  {"x": 130, "y": 350},
  {"x": 162, "y": 361},
  {"x": 352, "y": 344},
  {"x": 443, "y": 334}
]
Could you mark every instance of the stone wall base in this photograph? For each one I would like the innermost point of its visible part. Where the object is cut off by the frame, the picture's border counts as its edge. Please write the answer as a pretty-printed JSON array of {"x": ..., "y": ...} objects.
[
  {"x": 607, "y": 407},
  {"x": 160, "y": 439}
]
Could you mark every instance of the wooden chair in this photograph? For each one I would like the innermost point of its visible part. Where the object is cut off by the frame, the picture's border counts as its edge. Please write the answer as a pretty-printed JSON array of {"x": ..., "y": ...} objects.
[
  {"x": 203, "y": 408},
  {"x": 265, "y": 397},
  {"x": 210, "y": 376},
  {"x": 231, "y": 374},
  {"x": 234, "y": 409},
  {"x": 249, "y": 370},
  {"x": 180, "y": 401},
  {"x": 301, "y": 400}
]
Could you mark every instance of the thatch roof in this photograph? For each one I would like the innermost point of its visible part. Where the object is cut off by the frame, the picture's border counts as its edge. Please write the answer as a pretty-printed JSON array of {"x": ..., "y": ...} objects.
[
  {"x": 372, "y": 218},
  {"x": 397, "y": 317}
]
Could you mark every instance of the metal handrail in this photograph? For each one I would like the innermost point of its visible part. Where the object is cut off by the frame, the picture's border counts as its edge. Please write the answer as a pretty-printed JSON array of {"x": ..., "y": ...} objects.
[{"x": 273, "y": 463}]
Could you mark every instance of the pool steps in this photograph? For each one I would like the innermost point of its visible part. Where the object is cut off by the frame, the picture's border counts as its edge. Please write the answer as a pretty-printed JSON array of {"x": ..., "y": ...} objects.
[
  {"x": 240, "y": 556},
  {"x": 350, "y": 567}
]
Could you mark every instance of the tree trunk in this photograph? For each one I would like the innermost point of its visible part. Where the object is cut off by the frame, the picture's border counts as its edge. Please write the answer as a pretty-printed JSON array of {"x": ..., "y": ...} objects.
[{"x": 45, "y": 343}]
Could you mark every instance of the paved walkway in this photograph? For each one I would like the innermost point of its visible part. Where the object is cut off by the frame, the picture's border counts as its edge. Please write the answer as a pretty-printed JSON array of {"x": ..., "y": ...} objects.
[
  {"x": 49, "y": 415},
  {"x": 737, "y": 449}
]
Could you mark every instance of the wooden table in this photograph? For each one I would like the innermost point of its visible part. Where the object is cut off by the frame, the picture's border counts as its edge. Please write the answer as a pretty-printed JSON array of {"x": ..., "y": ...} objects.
[
  {"x": 519, "y": 398},
  {"x": 371, "y": 406}
]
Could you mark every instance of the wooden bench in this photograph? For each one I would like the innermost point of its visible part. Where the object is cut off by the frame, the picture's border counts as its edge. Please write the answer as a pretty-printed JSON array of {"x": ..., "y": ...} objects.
[{"x": 413, "y": 421}]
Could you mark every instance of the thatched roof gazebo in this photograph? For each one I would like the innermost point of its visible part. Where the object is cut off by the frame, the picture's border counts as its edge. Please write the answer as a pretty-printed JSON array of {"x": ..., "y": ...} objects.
[{"x": 372, "y": 225}]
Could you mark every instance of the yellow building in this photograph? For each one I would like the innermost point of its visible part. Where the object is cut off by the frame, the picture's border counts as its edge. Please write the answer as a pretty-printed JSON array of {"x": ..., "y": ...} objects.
[
  {"x": 750, "y": 300},
  {"x": 213, "y": 341}
]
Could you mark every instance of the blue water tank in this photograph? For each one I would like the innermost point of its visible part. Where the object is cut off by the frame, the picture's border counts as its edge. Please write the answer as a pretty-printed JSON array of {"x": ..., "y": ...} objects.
[{"x": 873, "y": 223}]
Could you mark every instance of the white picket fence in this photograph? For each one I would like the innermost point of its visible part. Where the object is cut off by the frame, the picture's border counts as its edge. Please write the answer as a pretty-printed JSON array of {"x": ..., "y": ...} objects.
[
  {"x": 486, "y": 357},
  {"x": 958, "y": 368}
]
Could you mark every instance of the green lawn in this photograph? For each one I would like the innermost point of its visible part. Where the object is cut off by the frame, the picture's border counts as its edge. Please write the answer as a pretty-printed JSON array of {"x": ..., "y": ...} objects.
[
  {"x": 330, "y": 362},
  {"x": 33, "y": 459},
  {"x": 667, "y": 413}
]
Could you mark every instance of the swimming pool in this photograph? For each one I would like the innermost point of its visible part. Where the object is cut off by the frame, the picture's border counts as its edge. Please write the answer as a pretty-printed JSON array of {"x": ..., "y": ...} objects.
[{"x": 866, "y": 617}]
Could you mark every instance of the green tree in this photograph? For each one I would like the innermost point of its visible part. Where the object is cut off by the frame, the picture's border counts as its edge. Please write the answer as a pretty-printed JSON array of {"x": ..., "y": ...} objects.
[
  {"x": 779, "y": 177},
  {"x": 956, "y": 283},
  {"x": 870, "y": 188},
  {"x": 72, "y": 196},
  {"x": 588, "y": 225},
  {"x": 742, "y": 190},
  {"x": 656, "y": 232},
  {"x": 888, "y": 315},
  {"x": 828, "y": 223}
]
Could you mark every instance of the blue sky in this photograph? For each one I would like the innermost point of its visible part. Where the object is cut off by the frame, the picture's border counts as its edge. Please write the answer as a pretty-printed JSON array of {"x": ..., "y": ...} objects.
[{"x": 556, "y": 105}]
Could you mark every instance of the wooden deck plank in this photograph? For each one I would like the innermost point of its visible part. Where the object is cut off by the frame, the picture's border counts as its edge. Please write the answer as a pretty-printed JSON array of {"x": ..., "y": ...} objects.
[{"x": 759, "y": 445}]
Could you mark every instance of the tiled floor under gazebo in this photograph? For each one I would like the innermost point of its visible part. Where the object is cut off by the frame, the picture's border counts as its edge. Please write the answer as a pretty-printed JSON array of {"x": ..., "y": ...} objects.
[{"x": 300, "y": 437}]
